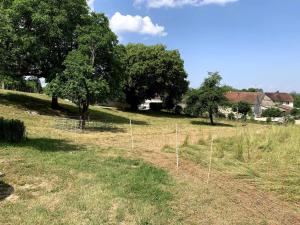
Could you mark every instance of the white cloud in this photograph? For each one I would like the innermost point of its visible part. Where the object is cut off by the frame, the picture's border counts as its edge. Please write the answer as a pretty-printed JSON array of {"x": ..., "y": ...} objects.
[
  {"x": 135, "y": 24},
  {"x": 91, "y": 4},
  {"x": 178, "y": 3}
]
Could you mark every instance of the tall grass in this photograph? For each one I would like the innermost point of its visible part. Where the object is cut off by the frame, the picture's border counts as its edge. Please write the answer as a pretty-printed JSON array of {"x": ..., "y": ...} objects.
[{"x": 269, "y": 158}]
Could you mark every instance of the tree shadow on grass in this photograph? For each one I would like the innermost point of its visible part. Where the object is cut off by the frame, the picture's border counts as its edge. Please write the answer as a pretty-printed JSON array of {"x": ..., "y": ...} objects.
[
  {"x": 205, "y": 123},
  {"x": 106, "y": 129},
  {"x": 46, "y": 145},
  {"x": 5, "y": 190},
  {"x": 43, "y": 107},
  {"x": 160, "y": 114},
  {"x": 26, "y": 102}
]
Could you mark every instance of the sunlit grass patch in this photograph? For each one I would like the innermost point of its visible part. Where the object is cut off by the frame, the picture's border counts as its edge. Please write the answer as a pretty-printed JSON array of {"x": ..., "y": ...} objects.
[
  {"x": 270, "y": 159},
  {"x": 82, "y": 181}
]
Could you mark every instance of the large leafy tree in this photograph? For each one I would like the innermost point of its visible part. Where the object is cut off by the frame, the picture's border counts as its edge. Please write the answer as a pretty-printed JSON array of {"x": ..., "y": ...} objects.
[
  {"x": 6, "y": 36},
  {"x": 152, "y": 71},
  {"x": 207, "y": 98},
  {"x": 43, "y": 33},
  {"x": 93, "y": 72}
]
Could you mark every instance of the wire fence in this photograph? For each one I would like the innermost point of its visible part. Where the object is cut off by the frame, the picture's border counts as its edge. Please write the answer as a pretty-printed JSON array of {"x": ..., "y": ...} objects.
[
  {"x": 146, "y": 139},
  {"x": 132, "y": 135}
]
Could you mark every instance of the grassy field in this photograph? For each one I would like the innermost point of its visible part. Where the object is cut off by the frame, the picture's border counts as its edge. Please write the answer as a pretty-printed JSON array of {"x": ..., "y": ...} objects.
[{"x": 60, "y": 176}]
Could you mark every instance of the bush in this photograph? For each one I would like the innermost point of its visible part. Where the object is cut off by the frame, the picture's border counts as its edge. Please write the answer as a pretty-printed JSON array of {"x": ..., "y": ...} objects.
[
  {"x": 221, "y": 115},
  {"x": 269, "y": 120},
  {"x": 156, "y": 106},
  {"x": 289, "y": 120},
  {"x": 231, "y": 116},
  {"x": 295, "y": 112},
  {"x": 12, "y": 130},
  {"x": 178, "y": 110},
  {"x": 272, "y": 112}
]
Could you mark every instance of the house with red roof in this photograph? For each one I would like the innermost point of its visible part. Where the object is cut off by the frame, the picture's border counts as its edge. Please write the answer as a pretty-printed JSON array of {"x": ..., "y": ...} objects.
[
  {"x": 260, "y": 101},
  {"x": 282, "y": 99}
]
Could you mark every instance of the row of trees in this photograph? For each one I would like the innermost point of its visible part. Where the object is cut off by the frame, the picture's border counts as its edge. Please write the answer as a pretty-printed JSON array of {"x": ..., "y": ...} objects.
[
  {"x": 80, "y": 57},
  {"x": 82, "y": 60},
  {"x": 26, "y": 84}
]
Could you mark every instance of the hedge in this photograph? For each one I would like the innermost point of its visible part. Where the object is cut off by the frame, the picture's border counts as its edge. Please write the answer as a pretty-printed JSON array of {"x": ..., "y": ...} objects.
[{"x": 12, "y": 130}]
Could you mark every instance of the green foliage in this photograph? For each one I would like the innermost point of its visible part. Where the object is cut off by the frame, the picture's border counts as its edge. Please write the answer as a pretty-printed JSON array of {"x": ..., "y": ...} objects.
[
  {"x": 243, "y": 108},
  {"x": 12, "y": 130},
  {"x": 207, "y": 98},
  {"x": 80, "y": 84},
  {"x": 31, "y": 84},
  {"x": 252, "y": 90},
  {"x": 296, "y": 100},
  {"x": 289, "y": 120},
  {"x": 220, "y": 115},
  {"x": 152, "y": 71},
  {"x": 178, "y": 110},
  {"x": 93, "y": 71},
  {"x": 295, "y": 112},
  {"x": 5, "y": 40},
  {"x": 231, "y": 116},
  {"x": 100, "y": 44},
  {"x": 272, "y": 112},
  {"x": 42, "y": 34},
  {"x": 227, "y": 88},
  {"x": 269, "y": 120},
  {"x": 38, "y": 35}
]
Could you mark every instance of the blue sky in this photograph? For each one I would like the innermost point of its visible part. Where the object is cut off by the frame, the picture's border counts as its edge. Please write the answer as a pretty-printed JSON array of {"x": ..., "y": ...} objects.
[{"x": 252, "y": 43}]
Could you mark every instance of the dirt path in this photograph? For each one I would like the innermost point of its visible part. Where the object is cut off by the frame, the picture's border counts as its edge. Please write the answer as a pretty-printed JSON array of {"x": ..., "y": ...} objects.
[{"x": 225, "y": 200}]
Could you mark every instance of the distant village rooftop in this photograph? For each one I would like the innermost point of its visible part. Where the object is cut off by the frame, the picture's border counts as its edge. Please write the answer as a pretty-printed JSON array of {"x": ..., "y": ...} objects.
[
  {"x": 280, "y": 97},
  {"x": 249, "y": 97}
]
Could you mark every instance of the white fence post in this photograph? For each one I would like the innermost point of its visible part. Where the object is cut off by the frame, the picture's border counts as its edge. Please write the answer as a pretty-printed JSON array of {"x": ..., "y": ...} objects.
[
  {"x": 131, "y": 133},
  {"x": 177, "y": 148}
]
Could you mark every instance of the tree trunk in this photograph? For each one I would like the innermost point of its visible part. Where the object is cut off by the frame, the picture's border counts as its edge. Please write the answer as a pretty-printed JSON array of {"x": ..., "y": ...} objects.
[
  {"x": 211, "y": 117},
  {"x": 54, "y": 103},
  {"x": 83, "y": 115}
]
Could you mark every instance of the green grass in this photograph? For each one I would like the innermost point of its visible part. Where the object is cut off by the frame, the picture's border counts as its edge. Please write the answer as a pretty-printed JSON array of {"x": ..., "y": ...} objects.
[
  {"x": 83, "y": 186},
  {"x": 60, "y": 179}
]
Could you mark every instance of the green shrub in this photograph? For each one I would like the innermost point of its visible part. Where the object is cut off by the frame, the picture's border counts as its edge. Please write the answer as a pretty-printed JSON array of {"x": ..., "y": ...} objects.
[
  {"x": 12, "y": 130},
  {"x": 272, "y": 112},
  {"x": 178, "y": 109},
  {"x": 295, "y": 112},
  {"x": 156, "y": 106},
  {"x": 289, "y": 120},
  {"x": 221, "y": 115},
  {"x": 231, "y": 116}
]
